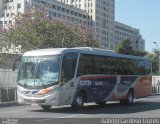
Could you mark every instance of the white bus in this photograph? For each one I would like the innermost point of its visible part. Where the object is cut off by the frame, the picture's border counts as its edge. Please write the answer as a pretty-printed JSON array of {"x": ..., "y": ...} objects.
[{"x": 74, "y": 76}]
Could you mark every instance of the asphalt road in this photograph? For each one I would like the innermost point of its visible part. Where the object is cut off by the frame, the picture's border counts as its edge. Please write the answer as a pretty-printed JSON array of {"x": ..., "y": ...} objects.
[{"x": 148, "y": 107}]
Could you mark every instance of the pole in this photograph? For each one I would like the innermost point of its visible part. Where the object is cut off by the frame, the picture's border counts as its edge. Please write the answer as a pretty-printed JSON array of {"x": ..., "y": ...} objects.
[{"x": 158, "y": 55}]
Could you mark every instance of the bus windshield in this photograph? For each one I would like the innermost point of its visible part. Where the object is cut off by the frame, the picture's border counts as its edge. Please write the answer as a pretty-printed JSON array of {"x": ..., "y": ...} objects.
[{"x": 39, "y": 72}]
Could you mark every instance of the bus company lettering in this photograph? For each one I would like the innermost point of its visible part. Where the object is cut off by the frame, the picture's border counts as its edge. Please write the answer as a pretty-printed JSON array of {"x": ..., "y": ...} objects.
[
  {"x": 98, "y": 83},
  {"x": 85, "y": 83}
]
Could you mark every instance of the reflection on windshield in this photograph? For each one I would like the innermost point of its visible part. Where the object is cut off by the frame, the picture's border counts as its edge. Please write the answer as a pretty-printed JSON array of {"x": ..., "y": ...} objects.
[
  {"x": 48, "y": 71},
  {"x": 39, "y": 71}
]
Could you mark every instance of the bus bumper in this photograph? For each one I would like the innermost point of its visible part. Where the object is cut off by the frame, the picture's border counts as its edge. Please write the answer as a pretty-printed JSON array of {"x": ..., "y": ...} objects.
[{"x": 50, "y": 99}]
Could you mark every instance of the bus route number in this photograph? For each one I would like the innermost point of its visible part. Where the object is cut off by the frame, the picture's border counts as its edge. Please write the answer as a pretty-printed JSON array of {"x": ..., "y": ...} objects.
[{"x": 85, "y": 82}]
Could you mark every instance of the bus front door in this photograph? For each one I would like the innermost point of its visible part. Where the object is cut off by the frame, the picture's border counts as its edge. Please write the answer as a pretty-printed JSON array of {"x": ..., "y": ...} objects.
[{"x": 66, "y": 93}]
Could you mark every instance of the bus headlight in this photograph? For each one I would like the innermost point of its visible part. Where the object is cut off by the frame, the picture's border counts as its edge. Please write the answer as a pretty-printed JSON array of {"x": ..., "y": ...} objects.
[{"x": 44, "y": 91}]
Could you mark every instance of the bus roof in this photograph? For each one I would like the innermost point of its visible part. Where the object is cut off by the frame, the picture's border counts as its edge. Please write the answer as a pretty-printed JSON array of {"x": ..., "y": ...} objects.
[{"x": 89, "y": 50}]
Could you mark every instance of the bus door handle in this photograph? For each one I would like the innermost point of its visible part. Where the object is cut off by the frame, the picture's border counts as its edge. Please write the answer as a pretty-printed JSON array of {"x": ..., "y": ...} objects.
[{"x": 72, "y": 84}]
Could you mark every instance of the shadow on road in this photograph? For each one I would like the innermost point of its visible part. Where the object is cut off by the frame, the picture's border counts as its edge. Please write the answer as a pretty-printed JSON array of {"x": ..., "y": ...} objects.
[{"x": 109, "y": 108}]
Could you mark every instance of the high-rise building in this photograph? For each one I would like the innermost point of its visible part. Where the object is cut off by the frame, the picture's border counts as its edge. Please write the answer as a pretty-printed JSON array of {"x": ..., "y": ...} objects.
[
  {"x": 101, "y": 19},
  {"x": 123, "y": 32}
]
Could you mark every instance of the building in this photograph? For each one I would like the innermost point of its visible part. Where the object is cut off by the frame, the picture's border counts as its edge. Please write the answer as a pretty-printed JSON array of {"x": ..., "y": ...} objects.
[
  {"x": 11, "y": 8},
  {"x": 97, "y": 15},
  {"x": 101, "y": 19},
  {"x": 123, "y": 32},
  {"x": 57, "y": 10},
  {"x": 64, "y": 12}
]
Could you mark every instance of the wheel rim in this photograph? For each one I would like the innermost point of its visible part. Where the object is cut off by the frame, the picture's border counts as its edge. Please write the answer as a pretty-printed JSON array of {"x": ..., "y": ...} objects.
[
  {"x": 130, "y": 98},
  {"x": 79, "y": 101}
]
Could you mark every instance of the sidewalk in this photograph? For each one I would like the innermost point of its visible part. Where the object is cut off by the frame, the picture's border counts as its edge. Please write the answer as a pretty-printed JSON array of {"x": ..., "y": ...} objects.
[{"x": 7, "y": 104}]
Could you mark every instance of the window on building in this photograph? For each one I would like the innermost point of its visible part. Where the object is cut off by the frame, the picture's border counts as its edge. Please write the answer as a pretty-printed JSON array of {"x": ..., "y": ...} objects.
[
  {"x": 80, "y": 15},
  {"x": 10, "y": 21},
  {"x": 68, "y": 18},
  {"x": 72, "y": 19},
  {"x": 12, "y": 14},
  {"x": 72, "y": 12},
  {"x": 63, "y": 9},
  {"x": 58, "y": 8},
  {"x": 58, "y": 15},
  {"x": 3, "y": 15},
  {"x": 54, "y": 14},
  {"x": 68, "y": 11},
  {"x": 19, "y": 5},
  {"x": 84, "y": 16},
  {"x": 7, "y": 14},
  {"x": 54, "y": 6}
]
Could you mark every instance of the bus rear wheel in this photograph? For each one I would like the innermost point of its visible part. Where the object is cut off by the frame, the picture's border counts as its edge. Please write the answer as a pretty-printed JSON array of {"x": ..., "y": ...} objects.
[
  {"x": 130, "y": 97},
  {"x": 79, "y": 101},
  {"x": 46, "y": 107}
]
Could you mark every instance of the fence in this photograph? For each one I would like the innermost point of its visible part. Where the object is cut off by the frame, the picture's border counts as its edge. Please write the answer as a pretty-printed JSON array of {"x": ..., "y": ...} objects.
[
  {"x": 8, "y": 79},
  {"x": 8, "y": 85},
  {"x": 156, "y": 84}
]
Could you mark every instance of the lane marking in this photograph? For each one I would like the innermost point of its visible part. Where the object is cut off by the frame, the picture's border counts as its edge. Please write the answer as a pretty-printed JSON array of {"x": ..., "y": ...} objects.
[
  {"x": 55, "y": 117},
  {"x": 8, "y": 112}
]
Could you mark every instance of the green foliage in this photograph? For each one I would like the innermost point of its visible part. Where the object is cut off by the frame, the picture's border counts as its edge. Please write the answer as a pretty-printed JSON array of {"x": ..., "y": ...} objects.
[
  {"x": 155, "y": 63},
  {"x": 125, "y": 47}
]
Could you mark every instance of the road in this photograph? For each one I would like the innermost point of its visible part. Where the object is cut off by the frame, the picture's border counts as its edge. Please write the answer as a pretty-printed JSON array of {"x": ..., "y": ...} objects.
[{"x": 148, "y": 107}]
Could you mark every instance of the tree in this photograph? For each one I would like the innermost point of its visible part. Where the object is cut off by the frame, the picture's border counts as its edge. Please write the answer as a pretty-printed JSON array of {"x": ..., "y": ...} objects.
[
  {"x": 35, "y": 30},
  {"x": 125, "y": 47},
  {"x": 155, "y": 63}
]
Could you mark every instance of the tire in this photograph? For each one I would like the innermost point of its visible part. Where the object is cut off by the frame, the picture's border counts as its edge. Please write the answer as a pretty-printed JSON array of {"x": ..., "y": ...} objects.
[
  {"x": 46, "y": 107},
  {"x": 78, "y": 101},
  {"x": 101, "y": 103},
  {"x": 130, "y": 98}
]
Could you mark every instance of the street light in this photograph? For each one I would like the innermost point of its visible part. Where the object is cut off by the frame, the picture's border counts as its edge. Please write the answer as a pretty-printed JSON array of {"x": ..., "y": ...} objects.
[{"x": 158, "y": 54}]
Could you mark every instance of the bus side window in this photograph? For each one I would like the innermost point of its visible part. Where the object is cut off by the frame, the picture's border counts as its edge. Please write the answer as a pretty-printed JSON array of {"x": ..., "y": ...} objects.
[
  {"x": 68, "y": 66},
  {"x": 141, "y": 67},
  {"x": 147, "y": 67}
]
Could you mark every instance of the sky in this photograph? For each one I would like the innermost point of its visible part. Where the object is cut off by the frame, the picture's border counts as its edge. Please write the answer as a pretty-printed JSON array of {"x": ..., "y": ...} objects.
[{"x": 143, "y": 15}]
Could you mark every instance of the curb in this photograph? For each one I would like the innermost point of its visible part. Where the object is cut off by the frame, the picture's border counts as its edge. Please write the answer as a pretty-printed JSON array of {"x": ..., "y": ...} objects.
[{"x": 8, "y": 104}]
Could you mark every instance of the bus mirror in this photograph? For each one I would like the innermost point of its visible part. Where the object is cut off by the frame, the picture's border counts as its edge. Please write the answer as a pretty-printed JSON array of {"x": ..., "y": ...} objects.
[{"x": 14, "y": 64}]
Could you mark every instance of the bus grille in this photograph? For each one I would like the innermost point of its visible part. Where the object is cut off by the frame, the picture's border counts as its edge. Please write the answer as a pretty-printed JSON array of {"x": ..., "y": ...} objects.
[{"x": 34, "y": 101}]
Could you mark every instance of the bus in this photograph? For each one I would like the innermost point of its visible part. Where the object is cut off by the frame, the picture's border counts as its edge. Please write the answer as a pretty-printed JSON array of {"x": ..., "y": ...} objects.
[{"x": 74, "y": 76}]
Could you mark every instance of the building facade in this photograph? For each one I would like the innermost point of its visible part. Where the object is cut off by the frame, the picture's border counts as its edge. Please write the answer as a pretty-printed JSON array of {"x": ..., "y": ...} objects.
[
  {"x": 64, "y": 12},
  {"x": 123, "y": 32},
  {"x": 101, "y": 19},
  {"x": 56, "y": 9},
  {"x": 9, "y": 9}
]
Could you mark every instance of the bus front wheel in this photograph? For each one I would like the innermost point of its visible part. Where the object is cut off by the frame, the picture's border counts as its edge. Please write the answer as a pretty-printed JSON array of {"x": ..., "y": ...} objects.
[{"x": 79, "y": 101}]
